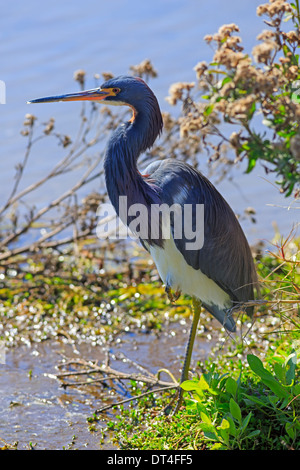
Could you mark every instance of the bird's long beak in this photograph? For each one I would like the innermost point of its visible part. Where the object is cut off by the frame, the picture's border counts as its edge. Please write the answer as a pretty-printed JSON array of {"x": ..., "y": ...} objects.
[{"x": 96, "y": 94}]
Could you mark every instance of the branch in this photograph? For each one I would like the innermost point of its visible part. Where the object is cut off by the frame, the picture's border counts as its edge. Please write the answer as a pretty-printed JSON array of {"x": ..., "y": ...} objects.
[
  {"x": 107, "y": 407},
  {"x": 46, "y": 209},
  {"x": 108, "y": 373}
]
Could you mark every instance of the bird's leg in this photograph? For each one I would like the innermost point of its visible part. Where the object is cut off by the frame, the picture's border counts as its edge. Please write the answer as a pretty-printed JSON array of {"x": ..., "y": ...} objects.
[{"x": 189, "y": 350}]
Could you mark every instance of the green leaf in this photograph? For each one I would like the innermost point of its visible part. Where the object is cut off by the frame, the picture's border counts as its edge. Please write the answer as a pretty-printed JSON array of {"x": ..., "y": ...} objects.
[
  {"x": 252, "y": 110},
  {"x": 208, "y": 428},
  {"x": 276, "y": 388},
  {"x": 235, "y": 410},
  {"x": 253, "y": 433},
  {"x": 246, "y": 146},
  {"x": 231, "y": 386},
  {"x": 224, "y": 425},
  {"x": 280, "y": 372},
  {"x": 256, "y": 400},
  {"x": 251, "y": 164},
  {"x": 289, "y": 427},
  {"x": 226, "y": 80},
  {"x": 198, "y": 386},
  {"x": 256, "y": 365},
  {"x": 246, "y": 421},
  {"x": 223, "y": 430},
  {"x": 210, "y": 435},
  {"x": 188, "y": 385},
  {"x": 232, "y": 427},
  {"x": 267, "y": 378},
  {"x": 206, "y": 419},
  {"x": 208, "y": 110},
  {"x": 291, "y": 362},
  {"x": 296, "y": 389}
]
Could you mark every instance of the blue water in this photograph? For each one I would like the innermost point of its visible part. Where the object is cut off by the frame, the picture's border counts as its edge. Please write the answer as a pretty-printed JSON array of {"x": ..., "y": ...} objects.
[{"x": 43, "y": 43}]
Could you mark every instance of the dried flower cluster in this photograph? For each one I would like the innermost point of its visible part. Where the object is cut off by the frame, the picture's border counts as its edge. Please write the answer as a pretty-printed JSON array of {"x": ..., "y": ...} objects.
[
  {"x": 238, "y": 86},
  {"x": 144, "y": 69},
  {"x": 107, "y": 76},
  {"x": 29, "y": 120},
  {"x": 295, "y": 147},
  {"x": 49, "y": 126},
  {"x": 79, "y": 76},
  {"x": 179, "y": 91},
  {"x": 28, "y": 123},
  {"x": 273, "y": 8}
]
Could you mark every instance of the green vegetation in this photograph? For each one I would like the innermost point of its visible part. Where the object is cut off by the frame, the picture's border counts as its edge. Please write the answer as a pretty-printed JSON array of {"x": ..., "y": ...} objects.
[
  {"x": 258, "y": 410},
  {"x": 55, "y": 296},
  {"x": 246, "y": 413}
]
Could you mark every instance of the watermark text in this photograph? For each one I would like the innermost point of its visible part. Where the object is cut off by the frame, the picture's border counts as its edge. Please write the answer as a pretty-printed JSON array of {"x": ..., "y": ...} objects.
[{"x": 159, "y": 221}]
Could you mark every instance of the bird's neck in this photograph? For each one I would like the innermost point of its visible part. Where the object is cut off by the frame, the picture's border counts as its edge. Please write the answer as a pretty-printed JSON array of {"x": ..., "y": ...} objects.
[{"x": 120, "y": 165}]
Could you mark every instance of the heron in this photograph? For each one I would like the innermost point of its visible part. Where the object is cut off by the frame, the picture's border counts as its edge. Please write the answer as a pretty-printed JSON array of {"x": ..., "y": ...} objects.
[{"x": 220, "y": 274}]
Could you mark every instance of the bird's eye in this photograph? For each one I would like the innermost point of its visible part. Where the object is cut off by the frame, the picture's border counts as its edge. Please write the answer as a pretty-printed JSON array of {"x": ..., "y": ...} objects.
[{"x": 116, "y": 90}]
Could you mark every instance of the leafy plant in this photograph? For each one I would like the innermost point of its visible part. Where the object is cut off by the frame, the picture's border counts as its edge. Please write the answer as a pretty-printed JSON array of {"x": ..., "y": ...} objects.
[
  {"x": 283, "y": 399},
  {"x": 250, "y": 102},
  {"x": 234, "y": 414}
]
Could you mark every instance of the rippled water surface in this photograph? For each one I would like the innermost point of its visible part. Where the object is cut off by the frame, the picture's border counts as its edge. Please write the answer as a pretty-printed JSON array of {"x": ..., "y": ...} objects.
[{"x": 35, "y": 409}]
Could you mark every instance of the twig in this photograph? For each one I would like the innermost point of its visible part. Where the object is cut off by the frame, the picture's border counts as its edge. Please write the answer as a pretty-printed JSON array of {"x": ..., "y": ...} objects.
[
  {"x": 115, "y": 375},
  {"x": 127, "y": 400},
  {"x": 109, "y": 373},
  {"x": 46, "y": 209}
]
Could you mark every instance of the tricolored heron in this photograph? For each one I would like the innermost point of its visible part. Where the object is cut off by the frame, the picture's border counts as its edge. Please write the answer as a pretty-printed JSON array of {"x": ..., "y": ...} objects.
[{"x": 221, "y": 274}]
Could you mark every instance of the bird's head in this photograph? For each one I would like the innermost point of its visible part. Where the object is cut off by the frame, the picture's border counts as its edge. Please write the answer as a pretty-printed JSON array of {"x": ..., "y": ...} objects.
[
  {"x": 131, "y": 91},
  {"x": 123, "y": 90}
]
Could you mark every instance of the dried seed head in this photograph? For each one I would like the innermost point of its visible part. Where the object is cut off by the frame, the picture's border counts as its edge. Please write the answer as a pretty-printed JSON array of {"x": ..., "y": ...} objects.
[
  {"x": 168, "y": 120},
  {"x": 144, "y": 68},
  {"x": 79, "y": 76},
  {"x": 66, "y": 141},
  {"x": 200, "y": 68},
  {"x": 49, "y": 127},
  {"x": 235, "y": 139},
  {"x": 292, "y": 37},
  {"x": 266, "y": 35},
  {"x": 275, "y": 7},
  {"x": 208, "y": 38},
  {"x": 227, "y": 57},
  {"x": 262, "y": 52},
  {"x": 176, "y": 91},
  {"x": 227, "y": 29},
  {"x": 295, "y": 147},
  {"x": 29, "y": 119},
  {"x": 107, "y": 76}
]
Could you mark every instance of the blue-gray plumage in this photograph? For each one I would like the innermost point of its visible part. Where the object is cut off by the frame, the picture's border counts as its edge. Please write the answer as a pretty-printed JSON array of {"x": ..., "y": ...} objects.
[{"x": 221, "y": 274}]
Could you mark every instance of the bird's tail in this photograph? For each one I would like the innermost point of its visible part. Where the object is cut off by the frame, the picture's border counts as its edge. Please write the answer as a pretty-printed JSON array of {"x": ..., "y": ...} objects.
[{"x": 223, "y": 316}]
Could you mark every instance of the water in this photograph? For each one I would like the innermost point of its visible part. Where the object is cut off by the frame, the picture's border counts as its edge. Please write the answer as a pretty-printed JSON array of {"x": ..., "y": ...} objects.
[
  {"x": 42, "y": 45},
  {"x": 35, "y": 409}
]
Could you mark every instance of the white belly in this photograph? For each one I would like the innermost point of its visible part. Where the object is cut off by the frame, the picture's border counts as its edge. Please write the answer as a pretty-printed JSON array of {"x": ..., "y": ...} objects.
[{"x": 175, "y": 272}]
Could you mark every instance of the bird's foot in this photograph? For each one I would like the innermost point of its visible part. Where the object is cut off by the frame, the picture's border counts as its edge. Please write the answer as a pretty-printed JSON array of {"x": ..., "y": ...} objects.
[
  {"x": 177, "y": 400},
  {"x": 173, "y": 297}
]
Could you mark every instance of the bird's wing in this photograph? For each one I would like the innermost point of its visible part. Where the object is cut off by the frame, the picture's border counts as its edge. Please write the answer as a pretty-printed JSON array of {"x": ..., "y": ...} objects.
[{"x": 225, "y": 256}]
